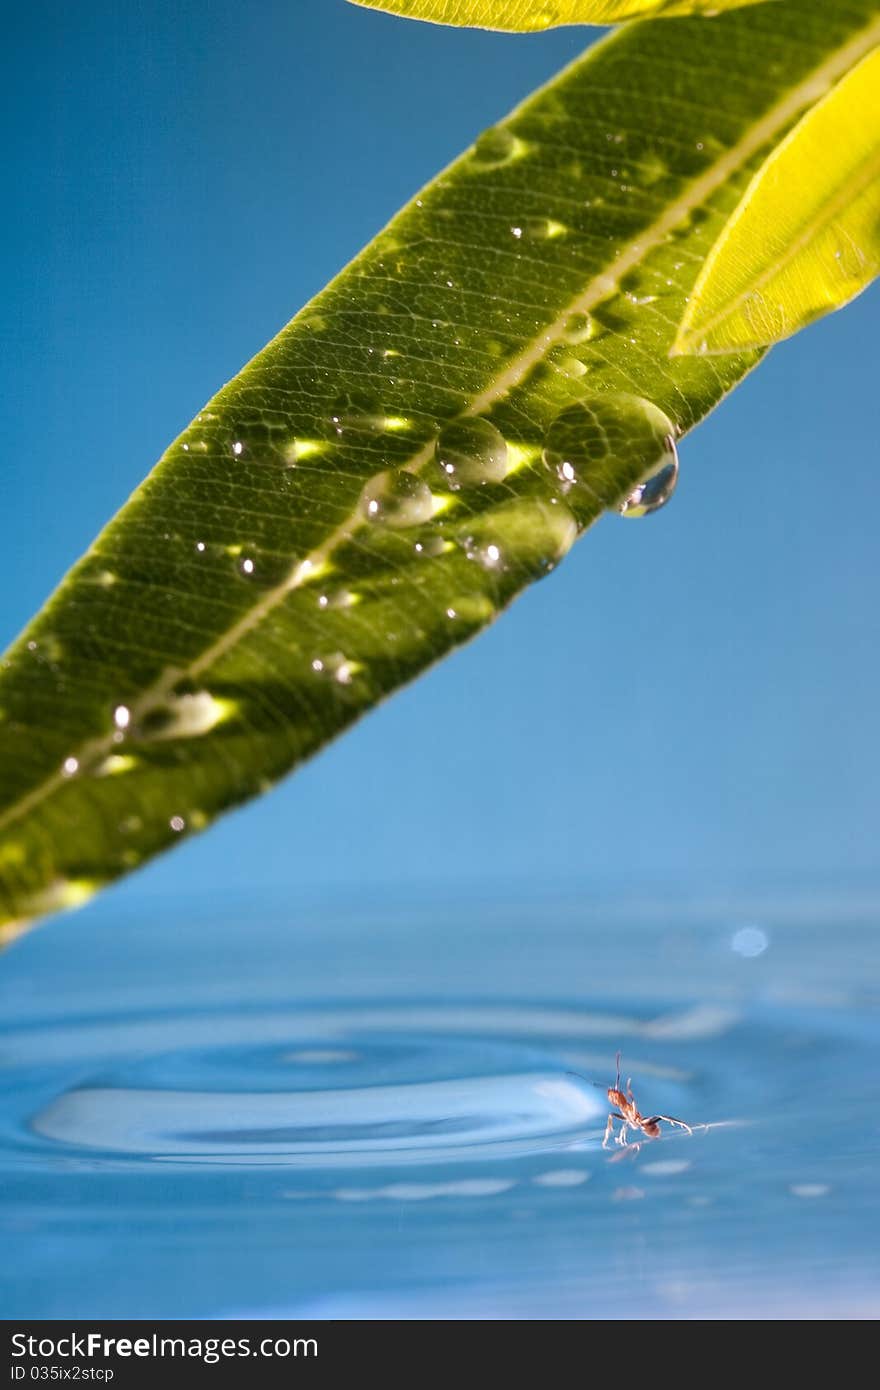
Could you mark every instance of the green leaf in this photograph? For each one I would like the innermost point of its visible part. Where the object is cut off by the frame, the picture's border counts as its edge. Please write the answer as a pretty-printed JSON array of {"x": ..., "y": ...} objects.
[
  {"x": 421, "y": 442},
  {"x": 806, "y": 237},
  {"x": 530, "y": 16}
]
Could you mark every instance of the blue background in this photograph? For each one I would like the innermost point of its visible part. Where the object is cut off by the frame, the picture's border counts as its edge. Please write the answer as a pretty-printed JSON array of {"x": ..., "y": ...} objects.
[{"x": 688, "y": 700}]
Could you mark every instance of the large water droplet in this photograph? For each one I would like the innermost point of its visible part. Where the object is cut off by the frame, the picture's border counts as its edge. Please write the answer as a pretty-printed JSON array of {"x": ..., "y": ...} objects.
[
  {"x": 396, "y": 498},
  {"x": 471, "y": 451},
  {"x": 655, "y": 491},
  {"x": 604, "y": 447},
  {"x": 357, "y": 412}
]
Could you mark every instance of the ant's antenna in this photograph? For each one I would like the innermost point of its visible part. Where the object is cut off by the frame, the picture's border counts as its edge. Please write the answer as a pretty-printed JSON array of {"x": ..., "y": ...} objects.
[
  {"x": 617, "y": 1083},
  {"x": 597, "y": 1084}
]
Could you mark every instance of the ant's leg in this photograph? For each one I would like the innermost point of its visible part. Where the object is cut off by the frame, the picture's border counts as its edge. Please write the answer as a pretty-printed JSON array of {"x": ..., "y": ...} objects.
[{"x": 671, "y": 1120}]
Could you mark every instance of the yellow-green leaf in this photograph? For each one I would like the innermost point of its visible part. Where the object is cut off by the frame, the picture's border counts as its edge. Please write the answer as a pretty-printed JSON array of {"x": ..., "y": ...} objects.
[
  {"x": 528, "y": 16},
  {"x": 806, "y": 237}
]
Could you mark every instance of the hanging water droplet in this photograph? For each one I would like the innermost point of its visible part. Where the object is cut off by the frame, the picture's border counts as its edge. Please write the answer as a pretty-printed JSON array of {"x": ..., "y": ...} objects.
[
  {"x": 497, "y": 146},
  {"x": 357, "y": 412},
  {"x": 471, "y": 451},
  {"x": 396, "y": 498},
  {"x": 70, "y": 767},
  {"x": 600, "y": 449},
  {"x": 655, "y": 491},
  {"x": 122, "y": 716}
]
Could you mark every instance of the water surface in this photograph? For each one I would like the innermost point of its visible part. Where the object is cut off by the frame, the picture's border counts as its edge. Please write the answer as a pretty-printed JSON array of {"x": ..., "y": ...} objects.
[{"x": 373, "y": 1113}]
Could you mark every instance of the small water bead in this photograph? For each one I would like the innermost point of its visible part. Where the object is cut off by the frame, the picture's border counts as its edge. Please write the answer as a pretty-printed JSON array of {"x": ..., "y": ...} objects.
[
  {"x": 651, "y": 169},
  {"x": 430, "y": 546},
  {"x": 177, "y": 824},
  {"x": 609, "y": 445},
  {"x": 495, "y": 147},
  {"x": 528, "y": 536},
  {"x": 849, "y": 257},
  {"x": 70, "y": 767},
  {"x": 188, "y": 715},
  {"x": 568, "y": 365},
  {"x": 471, "y": 610},
  {"x": 471, "y": 452},
  {"x": 114, "y": 766},
  {"x": 357, "y": 412},
  {"x": 485, "y": 553},
  {"x": 396, "y": 498},
  {"x": 543, "y": 18},
  {"x": 580, "y": 328},
  {"x": 263, "y": 569},
  {"x": 542, "y": 228},
  {"x": 338, "y": 598},
  {"x": 337, "y": 666},
  {"x": 767, "y": 320}
]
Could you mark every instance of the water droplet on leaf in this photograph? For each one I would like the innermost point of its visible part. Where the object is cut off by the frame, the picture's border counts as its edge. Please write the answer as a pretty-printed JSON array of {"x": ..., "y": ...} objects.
[
  {"x": 396, "y": 499},
  {"x": 604, "y": 449},
  {"x": 496, "y": 146},
  {"x": 357, "y": 412},
  {"x": 655, "y": 491},
  {"x": 580, "y": 328},
  {"x": 471, "y": 451}
]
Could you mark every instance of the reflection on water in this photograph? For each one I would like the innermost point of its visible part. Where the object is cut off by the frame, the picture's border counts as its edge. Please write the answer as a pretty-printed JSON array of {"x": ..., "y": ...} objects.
[{"x": 376, "y": 1115}]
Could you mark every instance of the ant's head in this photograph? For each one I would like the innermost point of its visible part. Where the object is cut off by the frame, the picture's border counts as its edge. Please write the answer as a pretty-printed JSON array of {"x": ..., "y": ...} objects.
[{"x": 615, "y": 1095}]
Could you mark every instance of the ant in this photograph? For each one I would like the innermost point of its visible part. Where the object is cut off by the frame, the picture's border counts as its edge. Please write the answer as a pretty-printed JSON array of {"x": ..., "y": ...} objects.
[{"x": 628, "y": 1113}]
